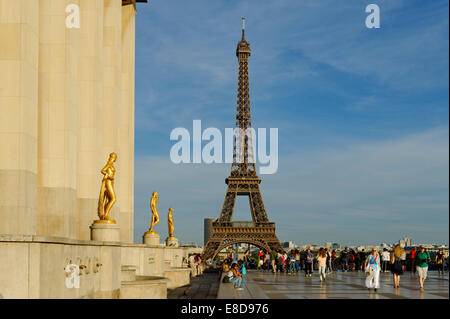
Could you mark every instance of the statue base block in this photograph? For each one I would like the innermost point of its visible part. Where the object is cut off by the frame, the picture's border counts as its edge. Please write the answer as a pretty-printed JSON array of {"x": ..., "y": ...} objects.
[
  {"x": 172, "y": 241},
  {"x": 105, "y": 232},
  {"x": 151, "y": 239}
]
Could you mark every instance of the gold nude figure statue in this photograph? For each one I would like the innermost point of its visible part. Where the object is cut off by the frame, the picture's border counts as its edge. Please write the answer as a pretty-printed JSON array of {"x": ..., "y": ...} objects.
[
  {"x": 155, "y": 216},
  {"x": 170, "y": 222},
  {"x": 107, "y": 195}
]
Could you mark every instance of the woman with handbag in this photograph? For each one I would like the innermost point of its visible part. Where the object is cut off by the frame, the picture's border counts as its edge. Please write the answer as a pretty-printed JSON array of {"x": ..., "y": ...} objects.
[
  {"x": 396, "y": 262},
  {"x": 372, "y": 266}
]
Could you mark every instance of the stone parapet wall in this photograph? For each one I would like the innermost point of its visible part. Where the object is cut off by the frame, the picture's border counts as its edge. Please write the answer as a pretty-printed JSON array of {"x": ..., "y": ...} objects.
[{"x": 34, "y": 266}]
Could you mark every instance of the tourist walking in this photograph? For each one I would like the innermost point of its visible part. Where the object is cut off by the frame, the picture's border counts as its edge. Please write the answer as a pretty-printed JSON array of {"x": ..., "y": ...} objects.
[
  {"x": 396, "y": 264},
  {"x": 273, "y": 258},
  {"x": 352, "y": 260},
  {"x": 279, "y": 262},
  {"x": 298, "y": 264},
  {"x": 386, "y": 258},
  {"x": 245, "y": 257},
  {"x": 267, "y": 261},
  {"x": 322, "y": 263},
  {"x": 333, "y": 259},
  {"x": 358, "y": 261},
  {"x": 362, "y": 258},
  {"x": 234, "y": 255},
  {"x": 439, "y": 259},
  {"x": 292, "y": 262},
  {"x": 421, "y": 261},
  {"x": 193, "y": 265},
  {"x": 413, "y": 256},
  {"x": 199, "y": 265},
  {"x": 329, "y": 268},
  {"x": 309, "y": 263},
  {"x": 372, "y": 267},
  {"x": 404, "y": 260},
  {"x": 284, "y": 260},
  {"x": 260, "y": 258},
  {"x": 344, "y": 259}
]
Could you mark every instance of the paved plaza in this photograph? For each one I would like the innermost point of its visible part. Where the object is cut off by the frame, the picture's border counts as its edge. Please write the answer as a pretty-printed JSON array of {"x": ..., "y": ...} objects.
[
  {"x": 339, "y": 285},
  {"x": 200, "y": 287}
]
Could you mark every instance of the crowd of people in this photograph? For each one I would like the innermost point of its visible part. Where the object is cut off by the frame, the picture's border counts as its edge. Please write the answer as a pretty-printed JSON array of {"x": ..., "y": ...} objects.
[
  {"x": 326, "y": 262},
  {"x": 196, "y": 264},
  {"x": 234, "y": 271}
]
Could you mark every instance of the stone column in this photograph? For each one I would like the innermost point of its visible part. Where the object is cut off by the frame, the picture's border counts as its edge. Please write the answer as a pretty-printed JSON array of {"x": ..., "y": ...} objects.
[
  {"x": 57, "y": 124},
  {"x": 19, "y": 25},
  {"x": 90, "y": 153},
  {"x": 112, "y": 61},
  {"x": 126, "y": 125}
]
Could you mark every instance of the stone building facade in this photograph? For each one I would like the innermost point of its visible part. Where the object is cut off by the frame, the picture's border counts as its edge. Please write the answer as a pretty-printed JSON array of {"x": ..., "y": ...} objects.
[{"x": 66, "y": 103}]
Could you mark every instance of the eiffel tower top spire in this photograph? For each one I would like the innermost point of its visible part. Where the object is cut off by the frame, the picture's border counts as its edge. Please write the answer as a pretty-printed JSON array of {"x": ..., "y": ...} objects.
[{"x": 243, "y": 46}]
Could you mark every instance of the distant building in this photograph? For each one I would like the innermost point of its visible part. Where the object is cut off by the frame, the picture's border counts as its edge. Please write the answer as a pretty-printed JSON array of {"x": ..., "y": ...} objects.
[
  {"x": 405, "y": 242},
  {"x": 289, "y": 244},
  {"x": 207, "y": 229},
  {"x": 327, "y": 245}
]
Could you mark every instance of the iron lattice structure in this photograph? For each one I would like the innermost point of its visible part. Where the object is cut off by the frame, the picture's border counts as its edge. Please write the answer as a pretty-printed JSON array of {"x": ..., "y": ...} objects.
[{"x": 243, "y": 180}]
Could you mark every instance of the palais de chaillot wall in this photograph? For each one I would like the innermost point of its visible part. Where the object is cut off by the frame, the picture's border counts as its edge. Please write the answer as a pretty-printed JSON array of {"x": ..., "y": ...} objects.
[{"x": 66, "y": 103}]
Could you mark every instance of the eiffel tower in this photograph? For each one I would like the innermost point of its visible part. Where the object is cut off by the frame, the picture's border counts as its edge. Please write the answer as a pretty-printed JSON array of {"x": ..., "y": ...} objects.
[{"x": 243, "y": 180}]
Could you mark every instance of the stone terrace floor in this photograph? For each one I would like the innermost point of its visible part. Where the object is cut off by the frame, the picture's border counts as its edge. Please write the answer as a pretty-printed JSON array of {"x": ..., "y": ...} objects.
[
  {"x": 201, "y": 287},
  {"x": 339, "y": 285}
]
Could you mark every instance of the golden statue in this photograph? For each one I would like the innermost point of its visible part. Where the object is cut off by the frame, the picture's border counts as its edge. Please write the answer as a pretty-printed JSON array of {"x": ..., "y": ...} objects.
[
  {"x": 107, "y": 195},
  {"x": 170, "y": 222},
  {"x": 155, "y": 216}
]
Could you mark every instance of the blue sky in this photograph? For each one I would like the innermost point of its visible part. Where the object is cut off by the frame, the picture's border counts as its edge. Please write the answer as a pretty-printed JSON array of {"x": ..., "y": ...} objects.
[{"x": 362, "y": 114}]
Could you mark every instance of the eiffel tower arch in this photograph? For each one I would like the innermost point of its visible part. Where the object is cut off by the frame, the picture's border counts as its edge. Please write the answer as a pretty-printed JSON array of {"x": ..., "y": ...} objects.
[{"x": 243, "y": 180}]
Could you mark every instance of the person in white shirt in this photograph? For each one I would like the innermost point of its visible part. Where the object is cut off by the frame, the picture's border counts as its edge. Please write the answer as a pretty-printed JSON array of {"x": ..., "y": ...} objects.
[
  {"x": 385, "y": 257},
  {"x": 267, "y": 261},
  {"x": 193, "y": 265},
  {"x": 372, "y": 267}
]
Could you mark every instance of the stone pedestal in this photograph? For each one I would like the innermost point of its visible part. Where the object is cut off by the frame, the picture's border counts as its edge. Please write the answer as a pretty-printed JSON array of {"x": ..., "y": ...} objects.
[
  {"x": 105, "y": 232},
  {"x": 172, "y": 241},
  {"x": 151, "y": 239}
]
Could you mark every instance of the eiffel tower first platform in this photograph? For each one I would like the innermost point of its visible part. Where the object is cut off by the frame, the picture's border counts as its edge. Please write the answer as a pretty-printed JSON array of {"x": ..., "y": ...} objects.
[{"x": 243, "y": 180}]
